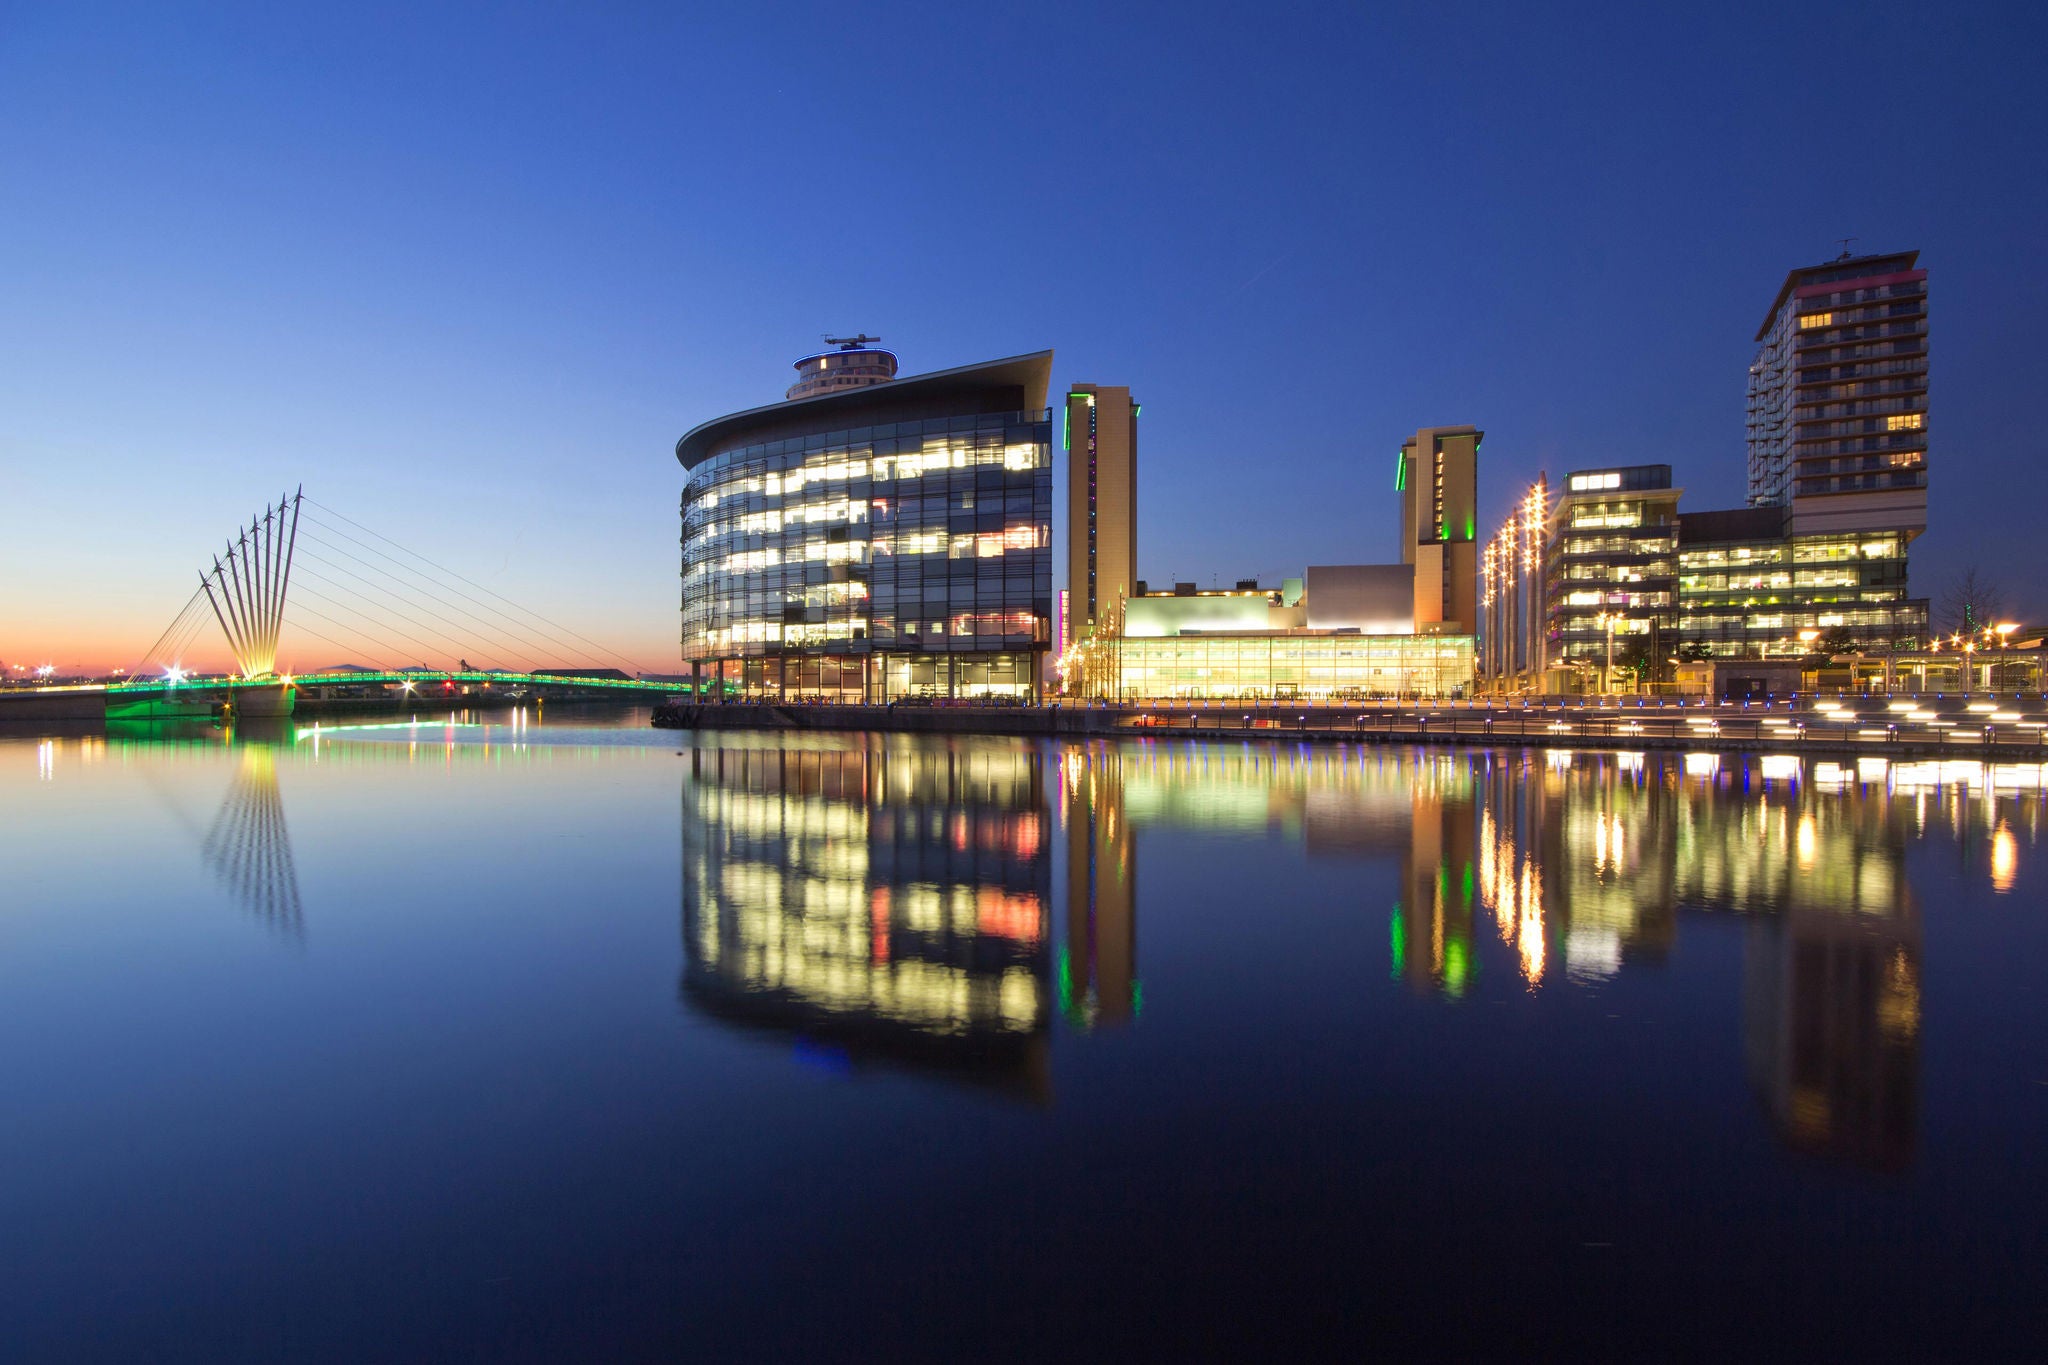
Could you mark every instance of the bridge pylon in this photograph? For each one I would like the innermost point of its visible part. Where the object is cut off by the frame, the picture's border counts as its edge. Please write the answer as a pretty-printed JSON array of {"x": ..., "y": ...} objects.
[{"x": 247, "y": 591}]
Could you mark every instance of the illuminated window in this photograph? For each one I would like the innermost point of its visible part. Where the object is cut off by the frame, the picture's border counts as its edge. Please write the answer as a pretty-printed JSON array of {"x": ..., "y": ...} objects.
[
  {"x": 1905, "y": 421},
  {"x": 1810, "y": 320}
]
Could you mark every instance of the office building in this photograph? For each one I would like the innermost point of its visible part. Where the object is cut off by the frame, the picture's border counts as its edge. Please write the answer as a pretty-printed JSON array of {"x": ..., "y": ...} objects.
[
  {"x": 875, "y": 541},
  {"x": 1838, "y": 397},
  {"x": 1101, "y": 435},
  {"x": 1748, "y": 587},
  {"x": 1438, "y": 481},
  {"x": 1610, "y": 562}
]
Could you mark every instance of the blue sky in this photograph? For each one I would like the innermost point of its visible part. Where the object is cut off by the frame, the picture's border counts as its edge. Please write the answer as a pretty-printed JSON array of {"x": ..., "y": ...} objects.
[{"x": 467, "y": 272}]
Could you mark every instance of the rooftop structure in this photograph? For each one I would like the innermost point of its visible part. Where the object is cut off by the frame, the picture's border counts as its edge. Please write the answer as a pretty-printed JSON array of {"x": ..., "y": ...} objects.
[{"x": 852, "y": 366}]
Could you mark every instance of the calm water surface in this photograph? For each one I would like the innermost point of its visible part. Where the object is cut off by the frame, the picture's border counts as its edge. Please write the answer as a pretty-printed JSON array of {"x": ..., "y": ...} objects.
[{"x": 543, "y": 1040}]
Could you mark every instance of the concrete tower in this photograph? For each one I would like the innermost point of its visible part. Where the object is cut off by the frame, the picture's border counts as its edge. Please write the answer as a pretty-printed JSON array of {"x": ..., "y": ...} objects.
[
  {"x": 1102, "y": 504},
  {"x": 1438, "y": 482}
]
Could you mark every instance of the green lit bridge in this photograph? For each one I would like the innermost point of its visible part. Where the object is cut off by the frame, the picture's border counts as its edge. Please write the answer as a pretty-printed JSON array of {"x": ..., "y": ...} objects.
[{"x": 366, "y": 598}]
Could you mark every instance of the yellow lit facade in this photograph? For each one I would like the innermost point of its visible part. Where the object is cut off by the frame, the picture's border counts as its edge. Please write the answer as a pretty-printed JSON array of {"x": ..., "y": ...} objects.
[{"x": 1288, "y": 666}]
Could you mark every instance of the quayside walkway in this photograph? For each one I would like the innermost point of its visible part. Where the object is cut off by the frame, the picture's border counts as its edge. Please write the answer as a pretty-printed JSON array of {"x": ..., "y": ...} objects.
[{"x": 1967, "y": 727}]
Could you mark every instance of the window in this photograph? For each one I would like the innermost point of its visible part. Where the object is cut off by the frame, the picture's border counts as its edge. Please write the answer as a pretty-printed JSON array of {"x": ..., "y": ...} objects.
[
  {"x": 1808, "y": 321},
  {"x": 1905, "y": 421}
]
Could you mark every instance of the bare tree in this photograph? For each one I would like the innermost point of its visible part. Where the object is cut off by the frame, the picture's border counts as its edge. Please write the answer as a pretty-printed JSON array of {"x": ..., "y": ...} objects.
[{"x": 1970, "y": 601}]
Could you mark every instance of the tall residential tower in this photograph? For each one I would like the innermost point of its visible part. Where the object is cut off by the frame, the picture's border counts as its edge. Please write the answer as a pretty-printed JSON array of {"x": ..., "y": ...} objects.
[
  {"x": 1102, "y": 505},
  {"x": 1838, "y": 397}
]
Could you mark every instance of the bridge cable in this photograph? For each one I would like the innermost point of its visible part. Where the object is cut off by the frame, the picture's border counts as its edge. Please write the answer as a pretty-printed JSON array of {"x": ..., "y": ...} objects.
[
  {"x": 553, "y": 647},
  {"x": 353, "y": 601},
  {"x": 355, "y": 649},
  {"x": 434, "y": 644},
  {"x": 555, "y": 642},
  {"x": 430, "y": 647},
  {"x": 379, "y": 645},
  {"x": 496, "y": 639},
  {"x": 191, "y": 607},
  {"x": 602, "y": 650}
]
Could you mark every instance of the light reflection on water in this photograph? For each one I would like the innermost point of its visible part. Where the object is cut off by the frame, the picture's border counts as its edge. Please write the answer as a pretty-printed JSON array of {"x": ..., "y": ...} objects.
[{"x": 964, "y": 917}]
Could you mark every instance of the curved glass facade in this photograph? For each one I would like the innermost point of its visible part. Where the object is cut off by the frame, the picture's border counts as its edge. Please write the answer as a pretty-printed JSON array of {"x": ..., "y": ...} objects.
[{"x": 879, "y": 562}]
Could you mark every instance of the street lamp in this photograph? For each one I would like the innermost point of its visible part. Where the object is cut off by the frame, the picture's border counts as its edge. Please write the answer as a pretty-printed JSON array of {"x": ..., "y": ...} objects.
[{"x": 2004, "y": 630}]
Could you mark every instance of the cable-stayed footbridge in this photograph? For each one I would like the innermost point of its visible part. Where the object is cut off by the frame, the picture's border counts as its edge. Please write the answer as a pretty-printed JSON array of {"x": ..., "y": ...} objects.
[{"x": 398, "y": 627}]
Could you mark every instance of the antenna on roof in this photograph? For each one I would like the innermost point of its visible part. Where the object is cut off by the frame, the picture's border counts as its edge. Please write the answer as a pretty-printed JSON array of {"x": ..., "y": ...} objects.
[
  {"x": 1845, "y": 247},
  {"x": 850, "y": 343}
]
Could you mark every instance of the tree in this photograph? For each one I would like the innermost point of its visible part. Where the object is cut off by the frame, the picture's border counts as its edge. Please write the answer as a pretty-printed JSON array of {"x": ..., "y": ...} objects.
[
  {"x": 1694, "y": 651},
  {"x": 1837, "y": 640},
  {"x": 1632, "y": 659},
  {"x": 1970, "y": 601}
]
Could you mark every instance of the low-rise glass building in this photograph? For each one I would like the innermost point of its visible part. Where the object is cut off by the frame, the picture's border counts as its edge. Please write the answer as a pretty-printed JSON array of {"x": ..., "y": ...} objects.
[
  {"x": 1346, "y": 637},
  {"x": 885, "y": 541},
  {"x": 1294, "y": 666}
]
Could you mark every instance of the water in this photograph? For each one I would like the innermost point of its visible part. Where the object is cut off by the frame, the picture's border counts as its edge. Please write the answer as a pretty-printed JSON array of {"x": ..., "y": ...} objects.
[{"x": 537, "y": 1040}]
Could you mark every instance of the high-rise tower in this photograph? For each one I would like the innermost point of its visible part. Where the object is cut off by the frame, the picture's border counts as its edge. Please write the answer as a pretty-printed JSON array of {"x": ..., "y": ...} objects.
[
  {"x": 1838, "y": 397},
  {"x": 1102, "y": 504},
  {"x": 1438, "y": 483}
]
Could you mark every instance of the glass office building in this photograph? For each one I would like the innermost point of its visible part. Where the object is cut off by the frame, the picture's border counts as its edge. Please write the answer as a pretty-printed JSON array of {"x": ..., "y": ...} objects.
[
  {"x": 1610, "y": 563},
  {"x": 1746, "y": 589},
  {"x": 889, "y": 541}
]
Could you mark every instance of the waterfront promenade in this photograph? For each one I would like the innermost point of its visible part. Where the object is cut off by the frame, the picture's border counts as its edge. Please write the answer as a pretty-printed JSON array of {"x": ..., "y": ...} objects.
[{"x": 1973, "y": 727}]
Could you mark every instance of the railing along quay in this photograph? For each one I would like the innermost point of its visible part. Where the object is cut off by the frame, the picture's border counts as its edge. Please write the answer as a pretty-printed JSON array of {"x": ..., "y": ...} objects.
[{"x": 1955, "y": 727}]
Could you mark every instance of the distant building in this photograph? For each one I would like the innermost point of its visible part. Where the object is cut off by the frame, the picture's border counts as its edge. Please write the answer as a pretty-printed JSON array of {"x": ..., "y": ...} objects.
[
  {"x": 1610, "y": 558},
  {"x": 875, "y": 541},
  {"x": 1838, "y": 397},
  {"x": 1438, "y": 480},
  {"x": 1101, "y": 434}
]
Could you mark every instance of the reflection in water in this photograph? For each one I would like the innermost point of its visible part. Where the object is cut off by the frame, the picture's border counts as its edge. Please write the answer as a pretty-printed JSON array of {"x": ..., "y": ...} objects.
[
  {"x": 250, "y": 849},
  {"x": 1831, "y": 1022},
  {"x": 1098, "y": 964},
  {"x": 1581, "y": 865},
  {"x": 884, "y": 900}
]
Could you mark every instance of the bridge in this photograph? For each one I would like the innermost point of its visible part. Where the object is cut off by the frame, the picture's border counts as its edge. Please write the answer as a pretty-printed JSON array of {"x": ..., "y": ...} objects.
[{"x": 374, "y": 599}]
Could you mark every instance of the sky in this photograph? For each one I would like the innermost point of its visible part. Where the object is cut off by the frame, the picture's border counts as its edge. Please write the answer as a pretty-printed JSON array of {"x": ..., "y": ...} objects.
[{"x": 467, "y": 272}]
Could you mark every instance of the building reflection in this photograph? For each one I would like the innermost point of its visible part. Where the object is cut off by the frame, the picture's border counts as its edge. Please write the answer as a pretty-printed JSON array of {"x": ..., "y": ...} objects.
[
  {"x": 1097, "y": 977},
  {"x": 876, "y": 900},
  {"x": 1588, "y": 859},
  {"x": 1416, "y": 810},
  {"x": 1580, "y": 865},
  {"x": 1831, "y": 1025},
  {"x": 899, "y": 897}
]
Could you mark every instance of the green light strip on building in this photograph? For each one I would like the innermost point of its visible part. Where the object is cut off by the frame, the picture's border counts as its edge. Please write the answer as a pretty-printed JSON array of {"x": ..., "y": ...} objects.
[{"x": 1401, "y": 471}]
